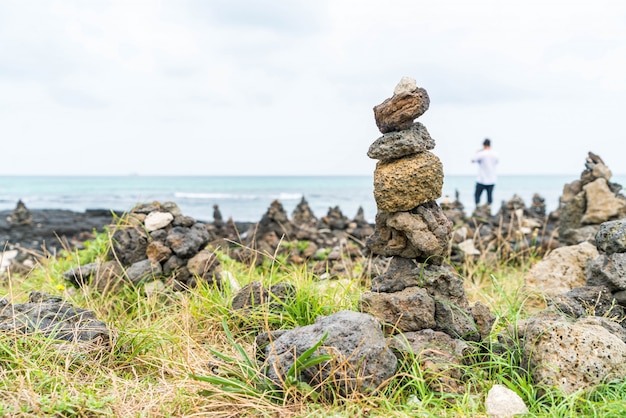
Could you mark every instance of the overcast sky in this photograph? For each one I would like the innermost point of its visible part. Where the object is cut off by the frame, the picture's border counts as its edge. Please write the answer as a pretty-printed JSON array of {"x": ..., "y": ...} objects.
[{"x": 228, "y": 87}]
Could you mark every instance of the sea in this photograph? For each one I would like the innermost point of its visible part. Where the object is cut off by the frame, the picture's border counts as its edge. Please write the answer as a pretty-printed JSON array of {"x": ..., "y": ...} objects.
[{"x": 247, "y": 198}]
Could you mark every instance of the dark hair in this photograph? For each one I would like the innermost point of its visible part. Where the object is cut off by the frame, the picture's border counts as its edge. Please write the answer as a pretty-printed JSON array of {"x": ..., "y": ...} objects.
[{"x": 487, "y": 142}]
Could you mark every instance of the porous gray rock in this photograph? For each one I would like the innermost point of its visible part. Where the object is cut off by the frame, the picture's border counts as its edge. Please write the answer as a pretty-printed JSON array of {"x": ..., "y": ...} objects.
[
  {"x": 611, "y": 237},
  {"x": 144, "y": 271},
  {"x": 255, "y": 294},
  {"x": 439, "y": 355},
  {"x": 602, "y": 204},
  {"x": 483, "y": 318},
  {"x": 608, "y": 270},
  {"x": 54, "y": 318},
  {"x": 186, "y": 242},
  {"x": 105, "y": 276},
  {"x": 129, "y": 245},
  {"x": 399, "y": 111},
  {"x": 588, "y": 300},
  {"x": 394, "y": 145},
  {"x": 422, "y": 233},
  {"x": 205, "y": 265},
  {"x": 361, "y": 359},
  {"x": 571, "y": 355},
  {"x": 405, "y": 183},
  {"x": 562, "y": 270},
  {"x": 400, "y": 273},
  {"x": 411, "y": 309}
]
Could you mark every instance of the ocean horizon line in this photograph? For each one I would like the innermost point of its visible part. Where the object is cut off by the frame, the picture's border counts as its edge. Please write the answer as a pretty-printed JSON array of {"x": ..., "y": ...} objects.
[{"x": 266, "y": 175}]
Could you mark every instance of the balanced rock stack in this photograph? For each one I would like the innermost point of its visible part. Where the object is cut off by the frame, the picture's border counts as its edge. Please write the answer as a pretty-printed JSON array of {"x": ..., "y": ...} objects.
[
  {"x": 588, "y": 202},
  {"x": 417, "y": 294},
  {"x": 407, "y": 180}
]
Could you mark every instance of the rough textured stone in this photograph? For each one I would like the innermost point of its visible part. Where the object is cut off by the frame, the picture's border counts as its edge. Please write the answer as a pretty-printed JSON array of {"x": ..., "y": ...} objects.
[
  {"x": 205, "y": 266},
  {"x": 422, "y": 234},
  {"x": 608, "y": 270},
  {"x": 254, "y": 294},
  {"x": 439, "y": 355},
  {"x": 172, "y": 207},
  {"x": 571, "y": 212},
  {"x": 611, "y": 237},
  {"x": 186, "y": 242},
  {"x": 129, "y": 245},
  {"x": 361, "y": 360},
  {"x": 483, "y": 318},
  {"x": 588, "y": 300},
  {"x": 400, "y": 274},
  {"x": 561, "y": 270},
  {"x": 399, "y": 111},
  {"x": 572, "y": 355},
  {"x": 602, "y": 203},
  {"x": 403, "y": 184},
  {"x": 405, "y": 85},
  {"x": 144, "y": 271},
  {"x": 52, "y": 317},
  {"x": 400, "y": 144},
  {"x": 103, "y": 276},
  {"x": 452, "y": 310},
  {"x": 502, "y": 402},
  {"x": 412, "y": 309},
  {"x": 158, "y": 251}
]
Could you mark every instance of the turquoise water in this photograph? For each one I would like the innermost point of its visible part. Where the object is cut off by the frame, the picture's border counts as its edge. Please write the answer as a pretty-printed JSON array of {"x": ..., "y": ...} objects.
[{"x": 246, "y": 198}]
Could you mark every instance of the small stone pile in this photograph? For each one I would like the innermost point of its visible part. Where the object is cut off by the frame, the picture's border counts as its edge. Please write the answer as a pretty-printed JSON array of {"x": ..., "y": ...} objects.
[
  {"x": 331, "y": 244},
  {"x": 21, "y": 215},
  {"x": 52, "y": 317},
  {"x": 158, "y": 243},
  {"x": 417, "y": 296},
  {"x": 588, "y": 202}
]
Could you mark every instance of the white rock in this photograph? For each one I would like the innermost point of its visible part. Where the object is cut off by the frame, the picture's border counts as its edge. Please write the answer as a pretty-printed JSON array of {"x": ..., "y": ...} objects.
[
  {"x": 153, "y": 287},
  {"x": 5, "y": 259},
  {"x": 502, "y": 402},
  {"x": 468, "y": 247},
  {"x": 157, "y": 220},
  {"x": 406, "y": 85}
]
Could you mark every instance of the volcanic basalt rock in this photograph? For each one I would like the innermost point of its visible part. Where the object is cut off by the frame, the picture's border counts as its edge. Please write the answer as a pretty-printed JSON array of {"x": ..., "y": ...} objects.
[
  {"x": 422, "y": 233},
  {"x": 588, "y": 202},
  {"x": 403, "y": 184},
  {"x": 398, "y": 112},
  {"x": 417, "y": 293},
  {"x": 397, "y": 144}
]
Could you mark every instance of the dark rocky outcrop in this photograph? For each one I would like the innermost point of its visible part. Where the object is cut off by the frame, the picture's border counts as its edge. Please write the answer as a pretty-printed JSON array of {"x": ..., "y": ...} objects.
[
  {"x": 588, "y": 202},
  {"x": 361, "y": 360},
  {"x": 53, "y": 318}
]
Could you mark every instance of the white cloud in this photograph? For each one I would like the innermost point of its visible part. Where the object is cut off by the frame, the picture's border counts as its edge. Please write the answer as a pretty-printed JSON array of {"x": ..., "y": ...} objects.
[{"x": 287, "y": 87}]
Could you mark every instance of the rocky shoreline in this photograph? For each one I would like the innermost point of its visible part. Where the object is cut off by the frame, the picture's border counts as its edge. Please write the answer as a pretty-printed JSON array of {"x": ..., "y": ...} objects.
[
  {"x": 516, "y": 226},
  {"x": 412, "y": 259}
]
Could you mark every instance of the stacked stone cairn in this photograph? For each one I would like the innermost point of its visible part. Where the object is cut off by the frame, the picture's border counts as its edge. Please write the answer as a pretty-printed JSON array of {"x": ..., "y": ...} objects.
[
  {"x": 418, "y": 299},
  {"x": 588, "y": 202},
  {"x": 158, "y": 246}
]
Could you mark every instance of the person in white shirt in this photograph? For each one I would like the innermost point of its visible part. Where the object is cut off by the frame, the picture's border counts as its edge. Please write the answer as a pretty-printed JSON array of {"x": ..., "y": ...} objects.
[{"x": 487, "y": 160}]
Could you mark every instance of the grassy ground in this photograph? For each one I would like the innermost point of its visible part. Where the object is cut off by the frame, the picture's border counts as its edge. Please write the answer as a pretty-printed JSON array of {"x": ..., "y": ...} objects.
[{"x": 161, "y": 340}]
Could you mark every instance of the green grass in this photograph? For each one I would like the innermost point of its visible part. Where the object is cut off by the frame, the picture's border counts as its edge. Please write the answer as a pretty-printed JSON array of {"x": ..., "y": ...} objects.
[{"x": 189, "y": 354}]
